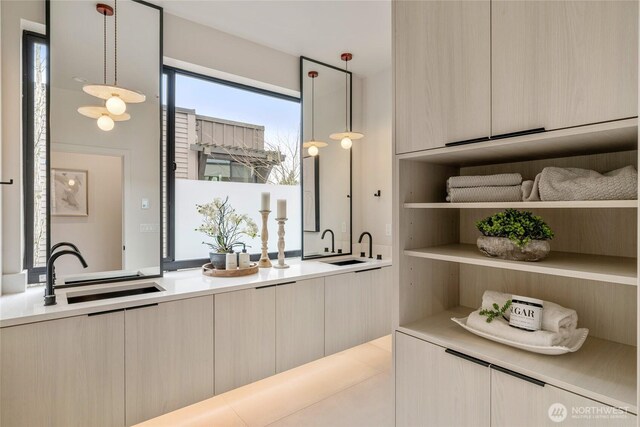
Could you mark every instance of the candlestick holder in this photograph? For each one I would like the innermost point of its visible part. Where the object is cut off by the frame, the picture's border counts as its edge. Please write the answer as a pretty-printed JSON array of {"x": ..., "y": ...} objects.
[
  {"x": 265, "y": 262},
  {"x": 281, "y": 263}
]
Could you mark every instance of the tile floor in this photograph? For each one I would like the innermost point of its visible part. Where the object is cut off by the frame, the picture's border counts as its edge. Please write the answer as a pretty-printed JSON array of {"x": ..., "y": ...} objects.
[{"x": 348, "y": 389}]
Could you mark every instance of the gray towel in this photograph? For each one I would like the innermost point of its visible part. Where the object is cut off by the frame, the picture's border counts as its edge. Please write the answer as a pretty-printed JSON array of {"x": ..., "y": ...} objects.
[
  {"x": 511, "y": 193},
  {"x": 554, "y": 184},
  {"x": 498, "y": 180}
]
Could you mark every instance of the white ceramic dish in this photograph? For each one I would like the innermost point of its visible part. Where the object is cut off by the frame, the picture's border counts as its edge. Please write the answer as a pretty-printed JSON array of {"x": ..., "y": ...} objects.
[{"x": 578, "y": 338}]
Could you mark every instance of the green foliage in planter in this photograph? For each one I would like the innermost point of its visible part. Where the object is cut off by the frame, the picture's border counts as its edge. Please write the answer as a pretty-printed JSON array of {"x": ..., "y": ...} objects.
[{"x": 518, "y": 226}]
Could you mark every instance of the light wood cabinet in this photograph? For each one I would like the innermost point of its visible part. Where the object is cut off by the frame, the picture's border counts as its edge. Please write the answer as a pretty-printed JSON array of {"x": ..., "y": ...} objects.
[
  {"x": 245, "y": 337},
  {"x": 434, "y": 388},
  {"x": 562, "y": 64},
  {"x": 357, "y": 308},
  {"x": 299, "y": 323},
  {"x": 67, "y": 372},
  {"x": 515, "y": 401},
  {"x": 169, "y": 357},
  {"x": 442, "y": 72}
]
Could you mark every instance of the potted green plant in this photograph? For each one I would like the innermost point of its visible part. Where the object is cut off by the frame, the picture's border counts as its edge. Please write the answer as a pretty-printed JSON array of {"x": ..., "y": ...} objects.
[
  {"x": 514, "y": 235},
  {"x": 226, "y": 227}
]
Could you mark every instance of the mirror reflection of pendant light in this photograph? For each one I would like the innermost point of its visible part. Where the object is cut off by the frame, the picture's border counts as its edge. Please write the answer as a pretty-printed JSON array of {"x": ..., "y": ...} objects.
[
  {"x": 116, "y": 96},
  {"x": 346, "y": 138},
  {"x": 313, "y": 145}
]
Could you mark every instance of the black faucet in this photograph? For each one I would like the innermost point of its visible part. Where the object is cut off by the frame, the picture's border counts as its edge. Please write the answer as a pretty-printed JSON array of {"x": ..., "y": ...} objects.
[
  {"x": 61, "y": 244},
  {"x": 366, "y": 233},
  {"x": 49, "y": 292},
  {"x": 333, "y": 240}
]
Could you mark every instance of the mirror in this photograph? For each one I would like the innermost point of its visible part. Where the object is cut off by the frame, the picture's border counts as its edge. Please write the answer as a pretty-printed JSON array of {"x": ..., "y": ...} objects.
[
  {"x": 326, "y": 177},
  {"x": 105, "y": 186}
]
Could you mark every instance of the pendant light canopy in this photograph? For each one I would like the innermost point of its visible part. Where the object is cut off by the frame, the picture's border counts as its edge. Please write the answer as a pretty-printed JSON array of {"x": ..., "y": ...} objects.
[
  {"x": 116, "y": 97},
  {"x": 313, "y": 145},
  {"x": 346, "y": 138}
]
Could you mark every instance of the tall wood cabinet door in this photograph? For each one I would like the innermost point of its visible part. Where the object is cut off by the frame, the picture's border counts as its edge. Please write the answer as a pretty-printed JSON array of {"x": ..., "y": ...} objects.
[
  {"x": 245, "y": 337},
  {"x": 561, "y": 64},
  {"x": 345, "y": 312},
  {"x": 67, "y": 372},
  {"x": 434, "y": 388},
  {"x": 299, "y": 323},
  {"x": 379, "y": 292},
  {"x": 515, "y": 401},
  {"x": 442, "y": 72},
  {"x": 169, "y": 356}
]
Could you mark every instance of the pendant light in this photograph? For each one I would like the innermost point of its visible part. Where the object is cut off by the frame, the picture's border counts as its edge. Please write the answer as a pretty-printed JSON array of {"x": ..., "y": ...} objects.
[
  {"x": 116, "y": 96},
  {"x": 346, "y": 138},
  {"x": 312, "y": 145}
]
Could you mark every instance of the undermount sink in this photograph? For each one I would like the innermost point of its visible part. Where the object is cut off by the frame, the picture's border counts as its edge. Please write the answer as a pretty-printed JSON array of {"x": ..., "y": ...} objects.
[
  {"x": 113, "y": 292},
  {"x": 347, "y": 262}
]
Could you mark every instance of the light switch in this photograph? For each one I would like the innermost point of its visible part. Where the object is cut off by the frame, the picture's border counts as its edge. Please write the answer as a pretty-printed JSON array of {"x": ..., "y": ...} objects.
[
  {"x": 344, "y": 227},
  {"x": 145, "y": 204},
  {"x": 387, "y": 229}
]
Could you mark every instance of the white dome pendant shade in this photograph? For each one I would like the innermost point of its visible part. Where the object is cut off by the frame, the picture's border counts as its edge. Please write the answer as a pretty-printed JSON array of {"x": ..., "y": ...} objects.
[
  {"x": 116, "y": 97},
  {"x": 347, "y": 137},
  {"x": 313, "y": 145}
]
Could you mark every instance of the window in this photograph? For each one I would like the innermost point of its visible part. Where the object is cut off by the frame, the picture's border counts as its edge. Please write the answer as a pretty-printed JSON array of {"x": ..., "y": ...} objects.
[
  {"x": 34, "y": 87},
  {"x": 224, "y": 139}
]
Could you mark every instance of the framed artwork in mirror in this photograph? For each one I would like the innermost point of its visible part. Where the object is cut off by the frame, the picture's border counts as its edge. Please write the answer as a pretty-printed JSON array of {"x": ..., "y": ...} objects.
[
  {"x": 311, "y": 193},
  {"x": 70, "y": 192}
]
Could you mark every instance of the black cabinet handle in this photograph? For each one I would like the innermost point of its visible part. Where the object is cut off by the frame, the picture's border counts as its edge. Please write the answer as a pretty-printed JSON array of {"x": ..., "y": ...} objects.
[
  {"x": 267, "y": 286},
  {"x": 368, "y": 269},
  {"x": 286, "y": 283},
  {"x": 100, "y": 313},
  {"x": 519, "y": 133},
  {"x": 141, "y": 306},
  {"x": 518, "y": 375},
  {"x": 10, "y": 182},
  {"x": 467, "y": 357},
  {"x": 467, "y": 141}
]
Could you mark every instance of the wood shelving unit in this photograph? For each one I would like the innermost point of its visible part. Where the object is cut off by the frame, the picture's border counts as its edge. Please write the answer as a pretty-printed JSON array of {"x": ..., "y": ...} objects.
[
  {"x": 601, "y": 370},
  {"x": 621, "y": 270},
  {"x": 592, "y": 204}
]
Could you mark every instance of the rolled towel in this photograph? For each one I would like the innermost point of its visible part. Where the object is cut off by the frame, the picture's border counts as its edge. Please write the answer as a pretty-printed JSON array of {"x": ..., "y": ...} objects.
[
  {"x": 555, "y": 318},
  {"x": 485, "y": 194},
  {"x": 500, "y": 328},
  {"x": 497, "y": 180}
]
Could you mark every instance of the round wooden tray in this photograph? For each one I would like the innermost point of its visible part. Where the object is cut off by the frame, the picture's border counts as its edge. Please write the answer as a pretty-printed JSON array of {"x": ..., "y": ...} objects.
[{"x": 208, "y": 270}]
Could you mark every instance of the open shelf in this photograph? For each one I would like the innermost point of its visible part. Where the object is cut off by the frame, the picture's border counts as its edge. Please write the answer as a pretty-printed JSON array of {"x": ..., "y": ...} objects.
[
  {"x": 590, "y": 204},
  {"x": 613, "y": 269},
  {"x": 601, "y": 370},
  {"x": 617, "y": 135}
]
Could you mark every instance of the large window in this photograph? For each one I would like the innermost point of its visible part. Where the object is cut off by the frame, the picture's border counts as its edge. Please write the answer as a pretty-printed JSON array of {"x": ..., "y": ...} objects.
[
  {"x": 34, "y": 87},
  {"x": 227, "y": 140}
]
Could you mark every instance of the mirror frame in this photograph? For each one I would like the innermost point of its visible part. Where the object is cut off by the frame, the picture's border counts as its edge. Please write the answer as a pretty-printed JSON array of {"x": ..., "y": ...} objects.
[
  {"x": 81, "y": 282},
  {"x": 302, "y": 79}
]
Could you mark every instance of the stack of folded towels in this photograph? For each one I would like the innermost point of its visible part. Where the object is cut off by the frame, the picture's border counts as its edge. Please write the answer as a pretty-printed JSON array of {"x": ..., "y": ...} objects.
[
  {"x": 505, "y": 187},
  {"x": 558, "y": 323}
]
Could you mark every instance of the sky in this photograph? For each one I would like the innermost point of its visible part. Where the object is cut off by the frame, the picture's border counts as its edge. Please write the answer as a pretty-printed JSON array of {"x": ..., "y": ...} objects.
[{"x": 278, "y": 116}]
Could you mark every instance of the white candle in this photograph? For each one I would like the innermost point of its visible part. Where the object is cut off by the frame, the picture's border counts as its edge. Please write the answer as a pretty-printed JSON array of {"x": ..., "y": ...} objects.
[
  {"x": 282, "y": 208},
  {"x": 266, "y": 202}
]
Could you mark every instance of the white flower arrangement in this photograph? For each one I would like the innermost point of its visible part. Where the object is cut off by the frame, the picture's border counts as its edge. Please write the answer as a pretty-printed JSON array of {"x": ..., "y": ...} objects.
[{"x": 224, "y": 225}]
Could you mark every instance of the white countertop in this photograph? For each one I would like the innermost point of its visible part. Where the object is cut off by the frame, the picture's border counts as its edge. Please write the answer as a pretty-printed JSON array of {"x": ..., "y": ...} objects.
[{"x": 28, "y": 307}]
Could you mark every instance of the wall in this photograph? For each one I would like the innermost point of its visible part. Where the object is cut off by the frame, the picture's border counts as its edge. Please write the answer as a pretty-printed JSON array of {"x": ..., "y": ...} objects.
[
  {"x": 245, "y": 198},
  {"x": 372, "y": 165},
  {"x": 99, "y": 235},
  {"x": 15, "y": 15}
]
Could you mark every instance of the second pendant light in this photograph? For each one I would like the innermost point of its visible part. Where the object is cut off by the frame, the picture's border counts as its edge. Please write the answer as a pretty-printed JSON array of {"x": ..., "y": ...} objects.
[
  {"x": 346, "y": 138},
  {"x": 312, "y": 145}
]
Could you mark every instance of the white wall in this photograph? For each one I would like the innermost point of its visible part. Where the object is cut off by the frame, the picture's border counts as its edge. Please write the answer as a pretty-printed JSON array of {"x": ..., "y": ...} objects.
[
  {"x": 373, "y": 168},
  {"x": 245, "y": 198},
  {"x": 99, "y": 235}
]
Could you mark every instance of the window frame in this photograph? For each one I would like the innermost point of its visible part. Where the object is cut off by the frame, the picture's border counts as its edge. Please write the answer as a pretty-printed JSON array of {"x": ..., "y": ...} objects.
[
  {"x": 169, "y": 263},
  {"x": 29, "y": 40}
]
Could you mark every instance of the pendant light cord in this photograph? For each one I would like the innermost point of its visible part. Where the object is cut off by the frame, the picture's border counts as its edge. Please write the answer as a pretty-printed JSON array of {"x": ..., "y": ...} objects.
[
  {"x": 104, "y": 54},
  {"x": 115, "y": 45},
  {"x": 313, "y": 108},
  {"x": 346, "y": 84}
]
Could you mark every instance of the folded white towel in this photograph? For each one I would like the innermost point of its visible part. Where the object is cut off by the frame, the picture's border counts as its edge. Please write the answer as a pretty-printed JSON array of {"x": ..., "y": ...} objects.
[
  {"x": 497, "y": 180},
  {"x": 512, "y": 193},
  {"x": 555, "y": 318},
  {"x": 500, "y": 328}
]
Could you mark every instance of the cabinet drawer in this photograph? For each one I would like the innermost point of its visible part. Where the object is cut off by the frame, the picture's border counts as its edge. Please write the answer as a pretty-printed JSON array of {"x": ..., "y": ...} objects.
[{"x": 517, "y": 402}]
